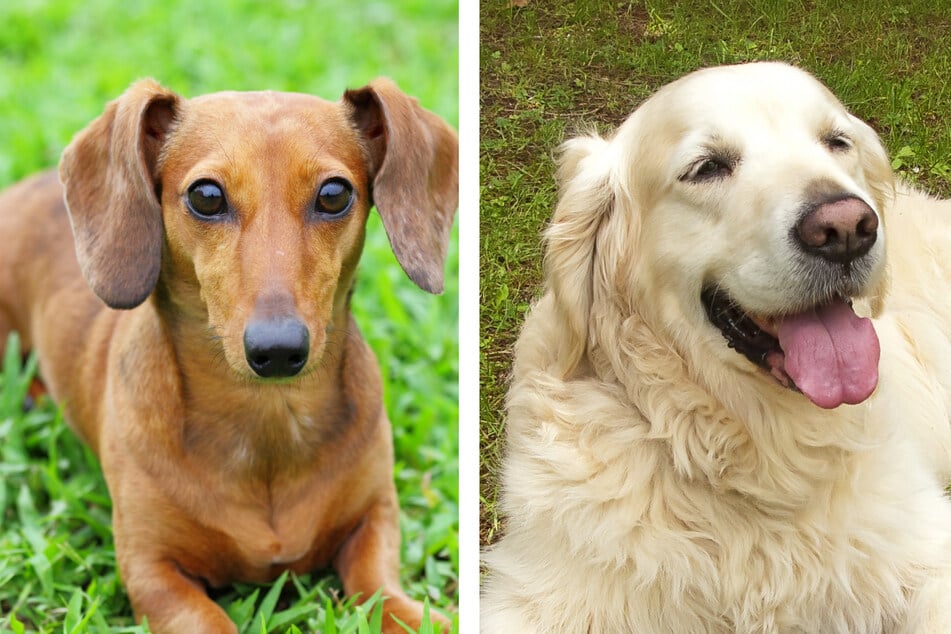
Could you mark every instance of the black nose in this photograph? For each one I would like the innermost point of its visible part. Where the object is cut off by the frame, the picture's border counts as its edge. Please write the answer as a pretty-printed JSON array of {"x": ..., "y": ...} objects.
[
  {"x": 838, "y": 231},
  {"x": 276, "y": 348}
]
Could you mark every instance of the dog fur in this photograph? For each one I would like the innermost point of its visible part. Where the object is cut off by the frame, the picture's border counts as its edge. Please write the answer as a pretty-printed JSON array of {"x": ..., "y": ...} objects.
[
  {"x": 218, "y": 472},
  {"x": 656, "y": 480}
]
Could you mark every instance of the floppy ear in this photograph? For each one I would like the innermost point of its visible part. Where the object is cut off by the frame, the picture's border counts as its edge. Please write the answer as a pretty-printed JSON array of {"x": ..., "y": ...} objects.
[
  {"x": 109, "y": 172},
  {"x": 413, "y": 163},
  {"x": 880, "y": 179},
  {"x": 875, "y": 164},
  {"x": 585, "y": 201}
]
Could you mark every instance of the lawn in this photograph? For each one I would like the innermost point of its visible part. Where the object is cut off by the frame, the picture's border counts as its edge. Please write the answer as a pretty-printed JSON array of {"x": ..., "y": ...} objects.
[
  {"x": 59, "y": 65},
  {"x": 550, "y": 70}
]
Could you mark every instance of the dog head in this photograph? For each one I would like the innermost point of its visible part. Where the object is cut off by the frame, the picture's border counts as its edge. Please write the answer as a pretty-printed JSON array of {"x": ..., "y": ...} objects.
[
  {"x": 247, "y": 210},
  {"x": 739, "y": 207}
]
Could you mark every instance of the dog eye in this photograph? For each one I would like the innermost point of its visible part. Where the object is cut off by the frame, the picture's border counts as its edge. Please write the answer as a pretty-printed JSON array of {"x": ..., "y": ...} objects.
[
  {"x": 708, "y": 169},
  {"x": 206, "y": 199},
  {"x": 837, "y": 142},
  {"x": 334, "y": 198}
]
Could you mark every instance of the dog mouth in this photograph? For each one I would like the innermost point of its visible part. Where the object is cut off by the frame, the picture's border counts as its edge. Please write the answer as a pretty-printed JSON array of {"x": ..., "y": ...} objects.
[{"x": 827, "y": 352}]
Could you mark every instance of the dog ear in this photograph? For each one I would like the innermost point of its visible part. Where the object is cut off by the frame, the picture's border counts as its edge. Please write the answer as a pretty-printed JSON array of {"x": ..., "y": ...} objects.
[
  {"x": 109, "y": 173},
  {"x": 413, "y": 163},
  {"x": 875, "y": 164},
  {"x": 585, "y": 201},
  {"x": 880, "y": 179}
]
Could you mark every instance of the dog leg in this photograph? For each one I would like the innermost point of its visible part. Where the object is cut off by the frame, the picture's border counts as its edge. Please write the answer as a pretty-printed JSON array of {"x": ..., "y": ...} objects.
[
  {"x": 171, "y": 601},
  {"x": 369, "y": 561}
]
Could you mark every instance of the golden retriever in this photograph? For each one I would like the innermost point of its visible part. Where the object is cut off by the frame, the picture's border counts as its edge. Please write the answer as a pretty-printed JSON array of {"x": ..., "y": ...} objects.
[{"x": 729, "y": 410}]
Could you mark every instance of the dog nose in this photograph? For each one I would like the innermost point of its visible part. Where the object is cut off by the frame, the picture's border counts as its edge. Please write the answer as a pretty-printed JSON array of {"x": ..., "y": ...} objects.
[
  {"x": 838, "y": 231},
  {"x": 276, "y": 348}
]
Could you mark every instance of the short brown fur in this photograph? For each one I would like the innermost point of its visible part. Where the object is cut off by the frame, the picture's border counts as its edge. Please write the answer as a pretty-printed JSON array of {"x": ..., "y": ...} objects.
[{"x": 217, "y": 475}]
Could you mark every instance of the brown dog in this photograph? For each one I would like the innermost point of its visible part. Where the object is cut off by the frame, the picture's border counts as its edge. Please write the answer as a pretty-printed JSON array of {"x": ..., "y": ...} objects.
[{"x": 234, "y": 407}]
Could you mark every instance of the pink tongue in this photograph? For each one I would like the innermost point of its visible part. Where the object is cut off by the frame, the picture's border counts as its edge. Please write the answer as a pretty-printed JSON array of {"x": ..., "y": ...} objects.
[{"x": 831, "y": 354}]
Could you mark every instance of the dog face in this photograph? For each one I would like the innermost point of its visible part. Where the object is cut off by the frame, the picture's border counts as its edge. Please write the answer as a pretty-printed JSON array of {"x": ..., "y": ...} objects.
[
  {"x": 245, "y": 212},
  {"x": 741, "y": 207},
  {"x": 265, "y": 217}
]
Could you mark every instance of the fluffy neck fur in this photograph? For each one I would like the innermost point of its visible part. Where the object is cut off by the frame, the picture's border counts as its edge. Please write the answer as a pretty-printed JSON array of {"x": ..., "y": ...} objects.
[{"x": 719, "y": 428}]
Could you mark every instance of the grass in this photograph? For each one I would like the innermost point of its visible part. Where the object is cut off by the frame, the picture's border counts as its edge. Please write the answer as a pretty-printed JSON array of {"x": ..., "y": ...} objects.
[
  {"x": 59, "y": 65},
  {"x": 550, "y": 70}
]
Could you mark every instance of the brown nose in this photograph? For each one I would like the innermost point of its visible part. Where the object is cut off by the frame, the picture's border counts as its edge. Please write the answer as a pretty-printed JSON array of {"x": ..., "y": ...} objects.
[{"x": 838, "y": 231}]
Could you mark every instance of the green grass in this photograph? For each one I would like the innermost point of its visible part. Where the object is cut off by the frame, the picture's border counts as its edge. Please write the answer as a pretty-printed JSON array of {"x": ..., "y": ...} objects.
[
  {"x": 550, "y": 70},
  {"x": 60, "y": 62}
]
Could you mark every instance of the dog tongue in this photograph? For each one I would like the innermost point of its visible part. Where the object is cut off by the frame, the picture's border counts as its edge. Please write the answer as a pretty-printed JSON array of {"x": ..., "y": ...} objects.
[{"x": 831, "y": 354}]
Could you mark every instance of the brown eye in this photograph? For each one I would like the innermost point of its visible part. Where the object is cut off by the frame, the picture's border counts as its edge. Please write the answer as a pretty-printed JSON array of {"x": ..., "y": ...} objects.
[
  {"x": 709, "y": 169},
  {"x": 837, "y": 142},
  {"x": 334, "y": 198},
  {"x": 206, "y": 200}
]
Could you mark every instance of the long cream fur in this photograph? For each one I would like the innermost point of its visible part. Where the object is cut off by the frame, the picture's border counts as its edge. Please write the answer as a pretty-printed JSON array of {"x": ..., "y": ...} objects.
[{"x": 655, "y": 480}]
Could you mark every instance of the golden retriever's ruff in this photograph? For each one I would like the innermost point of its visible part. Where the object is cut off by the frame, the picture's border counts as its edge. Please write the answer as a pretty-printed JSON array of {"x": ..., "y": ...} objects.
[{"x": 658, "y": 481}]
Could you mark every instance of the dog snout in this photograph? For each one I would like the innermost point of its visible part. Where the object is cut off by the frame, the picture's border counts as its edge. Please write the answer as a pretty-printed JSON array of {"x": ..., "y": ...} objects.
[
  {"x": 276, "y": 348},
  {"x": 838, "y": 231}
]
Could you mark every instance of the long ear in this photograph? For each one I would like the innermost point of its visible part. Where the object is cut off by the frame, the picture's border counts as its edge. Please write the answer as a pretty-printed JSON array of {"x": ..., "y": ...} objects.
[
  {"x": 109, "y": 173},
  {"x": 585, "y": 201},
  {"x": 414, "y": 164},
  {"x": 875, "y": 164},
  {"x": 880, "y": 179}
]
